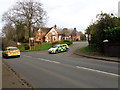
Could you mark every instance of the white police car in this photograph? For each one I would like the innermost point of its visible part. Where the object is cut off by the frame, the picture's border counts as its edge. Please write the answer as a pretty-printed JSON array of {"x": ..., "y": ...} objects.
[{"x": 58, "y": 48}]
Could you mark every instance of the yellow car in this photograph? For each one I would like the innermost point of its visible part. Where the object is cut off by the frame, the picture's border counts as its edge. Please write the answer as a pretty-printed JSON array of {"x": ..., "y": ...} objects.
[{"x": 11, "y": 51}]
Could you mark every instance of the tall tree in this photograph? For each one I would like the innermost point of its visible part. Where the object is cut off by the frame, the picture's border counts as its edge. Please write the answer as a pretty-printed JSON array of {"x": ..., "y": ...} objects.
[
  {"x": 97, "y": 29},
  {"x": 9, "y": 31},
  {"x": 27, "y": 12}
]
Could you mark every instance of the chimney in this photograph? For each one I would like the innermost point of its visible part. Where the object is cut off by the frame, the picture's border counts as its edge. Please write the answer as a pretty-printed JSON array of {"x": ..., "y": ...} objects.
[
  {"x": 55, "y": 26},
  {"x": 74, "y": 28}
]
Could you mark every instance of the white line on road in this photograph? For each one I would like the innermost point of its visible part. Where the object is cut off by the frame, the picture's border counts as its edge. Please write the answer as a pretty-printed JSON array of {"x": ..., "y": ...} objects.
[
  {"x": 97, "y": 71},
  {"x": 75, "y": 66},
  {"x": 48, "y": 60},
  {"x": 43, "y": 59}
]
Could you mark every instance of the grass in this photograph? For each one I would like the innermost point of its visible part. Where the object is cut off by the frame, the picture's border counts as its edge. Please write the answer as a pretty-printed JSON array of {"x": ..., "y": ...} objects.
[
  {"x": 88, "y": 50},
  {"x": 37, "y": 47}
]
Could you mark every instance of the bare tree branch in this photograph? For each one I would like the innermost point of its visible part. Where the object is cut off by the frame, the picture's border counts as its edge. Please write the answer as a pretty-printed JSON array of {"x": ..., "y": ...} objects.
[{"x": 27, "y": 12}]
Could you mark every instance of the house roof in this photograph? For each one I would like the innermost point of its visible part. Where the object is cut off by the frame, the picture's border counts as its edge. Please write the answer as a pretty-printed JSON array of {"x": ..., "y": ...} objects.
[
  {"x": 65, "y": 32},
  {"x": 75, "y": 32},
  {"x": 44, "y": 30}
]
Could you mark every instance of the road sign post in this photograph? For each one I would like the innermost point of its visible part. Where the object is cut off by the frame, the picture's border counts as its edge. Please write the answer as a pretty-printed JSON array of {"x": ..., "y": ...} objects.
[{"x": 31, "y": 42}]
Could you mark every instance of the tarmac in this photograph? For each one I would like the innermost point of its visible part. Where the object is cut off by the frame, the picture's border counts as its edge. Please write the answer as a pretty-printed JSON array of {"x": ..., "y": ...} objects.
[{"x": 10, "y": 79}]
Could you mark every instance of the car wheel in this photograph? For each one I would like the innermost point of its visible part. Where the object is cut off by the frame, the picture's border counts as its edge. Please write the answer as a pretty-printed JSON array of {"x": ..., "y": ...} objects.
[
  {"x": 18, "y": 56},
  {"x": 56, "y": 52},
  {"x": 5, "y": 56}
]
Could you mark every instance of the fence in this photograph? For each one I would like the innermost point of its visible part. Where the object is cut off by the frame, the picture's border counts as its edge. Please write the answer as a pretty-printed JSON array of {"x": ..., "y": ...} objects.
[{"x": 112, "y": 49}]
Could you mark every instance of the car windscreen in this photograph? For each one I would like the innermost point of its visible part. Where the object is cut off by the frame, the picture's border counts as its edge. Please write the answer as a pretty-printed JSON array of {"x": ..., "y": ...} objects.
[{"x": 55, "y": 46}]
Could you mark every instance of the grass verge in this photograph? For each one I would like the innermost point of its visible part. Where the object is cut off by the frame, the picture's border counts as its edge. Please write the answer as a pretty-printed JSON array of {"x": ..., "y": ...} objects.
[{"x": 88, "y": 50}]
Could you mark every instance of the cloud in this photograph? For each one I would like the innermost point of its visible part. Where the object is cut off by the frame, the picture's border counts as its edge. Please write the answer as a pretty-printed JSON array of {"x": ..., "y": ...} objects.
[
  {"x": 77, "y": 13},
  {"x": 71, "y": 13}
]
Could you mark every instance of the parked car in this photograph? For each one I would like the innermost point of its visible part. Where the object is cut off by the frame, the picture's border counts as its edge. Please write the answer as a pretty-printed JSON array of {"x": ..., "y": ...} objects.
[
  {"x": 11, "y": 51},
  {"x": 59, "y": 48}
]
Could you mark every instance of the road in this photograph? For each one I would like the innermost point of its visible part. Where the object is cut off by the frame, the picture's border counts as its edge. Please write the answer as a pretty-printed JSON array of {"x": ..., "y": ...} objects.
[{"x": 44, "y": 70}]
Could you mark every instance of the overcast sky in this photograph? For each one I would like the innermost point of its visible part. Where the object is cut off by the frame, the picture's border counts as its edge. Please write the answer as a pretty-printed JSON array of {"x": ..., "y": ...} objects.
[{"x": 70, "y": 13}]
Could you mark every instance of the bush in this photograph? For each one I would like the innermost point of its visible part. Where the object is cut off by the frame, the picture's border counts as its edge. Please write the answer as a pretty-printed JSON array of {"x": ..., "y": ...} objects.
[
  {"x": 113, "y": 35},
  {"x": 26, "y": 46},
  {"x": 6, "y": 43},
  {"x": 68, "y": 42},
  {"x": 56, "y": 42}
]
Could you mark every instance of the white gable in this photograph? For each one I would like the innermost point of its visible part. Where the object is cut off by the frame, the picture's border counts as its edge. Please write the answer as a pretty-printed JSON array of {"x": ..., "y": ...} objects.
[{"x": 53, "y": 31}]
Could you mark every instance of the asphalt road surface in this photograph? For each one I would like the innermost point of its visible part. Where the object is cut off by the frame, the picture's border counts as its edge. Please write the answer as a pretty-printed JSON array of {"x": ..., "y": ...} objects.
[{"x": 44, "y": 70}]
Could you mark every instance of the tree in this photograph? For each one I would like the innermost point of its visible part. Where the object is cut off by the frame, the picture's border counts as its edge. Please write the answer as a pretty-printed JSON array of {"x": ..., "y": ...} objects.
[
  {"x": 22, "y": 33},
  {"x": 97, "y": 29},
  {"x": 9, "y": 31},
  {"x": 27, "y": 13},
  {"x": 10, "y": 36},
  {"x": 82, "y": 36},
  {"x": 113, "y": 35}
]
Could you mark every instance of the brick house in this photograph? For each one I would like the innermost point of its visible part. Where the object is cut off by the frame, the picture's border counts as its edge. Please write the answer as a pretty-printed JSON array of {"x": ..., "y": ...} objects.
[
  {"x": 75, "y": 35},
  {"x": 64, "y": 35},
  {"x": 45, "y": 34}
]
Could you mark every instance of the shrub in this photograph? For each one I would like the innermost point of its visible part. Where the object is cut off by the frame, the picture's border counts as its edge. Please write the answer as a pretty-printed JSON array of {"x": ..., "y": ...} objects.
[
  {"x": 26, "y": 46},
  {"x": 56, "y": 42},
  {"x": 6, "y": 43},
  {"x": 68, "y": 42},
  {"x": 113, "y": 35}
]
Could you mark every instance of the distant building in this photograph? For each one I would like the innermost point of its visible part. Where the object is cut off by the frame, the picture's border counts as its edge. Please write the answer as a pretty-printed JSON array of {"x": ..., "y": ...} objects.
[
  {"x": 119, "y": 9},
  {"x": 46, "y": 34}
]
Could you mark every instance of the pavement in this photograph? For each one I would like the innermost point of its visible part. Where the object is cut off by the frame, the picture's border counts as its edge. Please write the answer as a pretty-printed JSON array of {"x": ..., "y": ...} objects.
[
  {"x": 11, "y": 79},
  {"x": 112, "y": 59},
  {"x": 105, "y": 58}
]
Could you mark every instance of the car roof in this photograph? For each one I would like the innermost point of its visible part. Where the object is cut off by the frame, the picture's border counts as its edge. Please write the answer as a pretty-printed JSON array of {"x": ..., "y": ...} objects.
[
  {"x": 63, "y": 44},
  {"x": 11, "y": 47}
]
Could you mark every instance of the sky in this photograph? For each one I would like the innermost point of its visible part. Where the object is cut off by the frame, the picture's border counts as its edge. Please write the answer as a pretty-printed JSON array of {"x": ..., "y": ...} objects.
[{"x": 71, "y": 14}]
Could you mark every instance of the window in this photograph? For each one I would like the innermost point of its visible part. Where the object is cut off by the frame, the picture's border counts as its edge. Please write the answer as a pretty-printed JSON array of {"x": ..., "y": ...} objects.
[{"x": 53, "y": 38}]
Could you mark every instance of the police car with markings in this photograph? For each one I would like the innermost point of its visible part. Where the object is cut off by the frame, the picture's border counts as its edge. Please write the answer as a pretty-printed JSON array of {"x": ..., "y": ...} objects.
[
  {"x": 59, "y": 48},
  {"x": 11, "y": 51}
]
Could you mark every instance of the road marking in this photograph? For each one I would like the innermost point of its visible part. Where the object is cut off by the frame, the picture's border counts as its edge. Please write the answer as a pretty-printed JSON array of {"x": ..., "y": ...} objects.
[
  {"x": 56, "y": 62},
  {"x": 48, "y": 60},
  {"x": 75, "y": 66},
  {"x": 44, "y": 59},
  {"x": 97, "y": 71}
]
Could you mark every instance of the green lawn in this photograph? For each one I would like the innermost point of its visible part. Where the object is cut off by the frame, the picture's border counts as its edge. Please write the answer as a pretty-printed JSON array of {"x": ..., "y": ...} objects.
[
  {"x": 43, "y": 46},
  {"x": 37, "y": 47}
]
